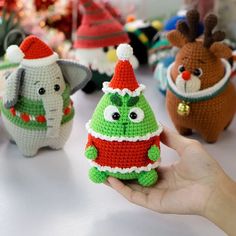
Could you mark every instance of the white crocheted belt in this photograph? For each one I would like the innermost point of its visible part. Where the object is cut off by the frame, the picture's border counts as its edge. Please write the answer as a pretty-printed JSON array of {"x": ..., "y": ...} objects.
[
  {"x": 122, "y": 92},
  {"x": 126, "y": 170}
]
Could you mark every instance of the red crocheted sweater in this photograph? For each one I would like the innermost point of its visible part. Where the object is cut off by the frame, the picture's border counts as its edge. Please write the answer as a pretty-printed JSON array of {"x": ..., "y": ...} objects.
[{"x": 124, "y": 154}]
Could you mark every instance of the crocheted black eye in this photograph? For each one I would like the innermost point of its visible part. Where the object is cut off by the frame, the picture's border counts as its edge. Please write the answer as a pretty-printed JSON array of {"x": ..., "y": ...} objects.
[
  {"x": 111, "y": 113},
  {"x": 181, "y": 69},
  {"x": 105, "y": 49},
  {"x": 116, "y": 116},
  {"x": 41, "y": 91},
  {"x": 57, "y": 87},
  {"x": 136, "y": 115},
  {"x": 133, "y": 115},
  {"x": 197, "y": 72}
]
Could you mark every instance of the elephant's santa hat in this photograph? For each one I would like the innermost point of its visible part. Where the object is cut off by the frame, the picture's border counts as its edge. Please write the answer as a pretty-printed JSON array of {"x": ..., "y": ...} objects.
[{"x": 32, "y": 52}]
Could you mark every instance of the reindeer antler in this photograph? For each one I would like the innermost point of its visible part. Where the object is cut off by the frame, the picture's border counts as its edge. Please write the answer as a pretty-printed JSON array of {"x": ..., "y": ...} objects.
[
  {"x": 209, "y": 37},
  {"x": 190, "y": 28}
]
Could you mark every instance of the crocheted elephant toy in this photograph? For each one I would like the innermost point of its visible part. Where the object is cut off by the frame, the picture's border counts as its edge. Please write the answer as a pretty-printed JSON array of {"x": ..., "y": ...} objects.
[
  {"x": 200, "y": 95},
  {"x": 36, "y": 107},
  {"x": 123, "y": 138}
]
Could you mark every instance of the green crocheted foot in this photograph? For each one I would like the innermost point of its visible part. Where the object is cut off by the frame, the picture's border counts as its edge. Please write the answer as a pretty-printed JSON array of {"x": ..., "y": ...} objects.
[
  {"x": 148, "y": 178},
  {"x": 97, "y": 176}
]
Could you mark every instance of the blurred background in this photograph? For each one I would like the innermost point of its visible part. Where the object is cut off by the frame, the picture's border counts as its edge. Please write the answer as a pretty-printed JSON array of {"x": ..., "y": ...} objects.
[{"x": 56, "y": 22}]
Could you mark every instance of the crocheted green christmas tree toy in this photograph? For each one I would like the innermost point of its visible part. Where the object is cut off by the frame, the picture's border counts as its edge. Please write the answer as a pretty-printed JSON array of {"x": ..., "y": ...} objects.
[
  {"x": 36, "y": 108},
  {"x": 123, "y": 139}
]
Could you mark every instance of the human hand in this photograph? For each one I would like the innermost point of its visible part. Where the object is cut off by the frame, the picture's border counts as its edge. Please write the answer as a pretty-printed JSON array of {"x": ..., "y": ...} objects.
[{"x": 196, "y": 184}]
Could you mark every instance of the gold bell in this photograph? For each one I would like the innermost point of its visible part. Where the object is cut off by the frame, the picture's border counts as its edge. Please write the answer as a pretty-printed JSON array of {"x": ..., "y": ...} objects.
[{"x": 183, "y": 108}]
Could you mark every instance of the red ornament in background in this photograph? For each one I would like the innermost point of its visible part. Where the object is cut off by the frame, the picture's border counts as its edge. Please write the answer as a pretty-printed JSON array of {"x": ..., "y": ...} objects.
[
  {"x": 9, "y": 5},
  {"x": 64, "y": 22},
  {"x": 42, "y": 5}
]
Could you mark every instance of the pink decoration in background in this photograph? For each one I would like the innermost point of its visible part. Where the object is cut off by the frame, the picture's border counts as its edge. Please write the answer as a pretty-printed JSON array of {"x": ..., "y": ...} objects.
[{"x": 205, "y": 6}]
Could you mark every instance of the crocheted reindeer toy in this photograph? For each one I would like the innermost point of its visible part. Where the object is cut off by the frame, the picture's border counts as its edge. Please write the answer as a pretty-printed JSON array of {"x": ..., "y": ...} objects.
[
  {"x": 200, "y": 95},
  {"x": 123, "y": 139},
  {"x": 36, "y": 106}
]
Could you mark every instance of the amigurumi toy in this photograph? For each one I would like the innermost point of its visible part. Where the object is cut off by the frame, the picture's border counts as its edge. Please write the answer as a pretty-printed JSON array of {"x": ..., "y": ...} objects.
[
  {"x": 123, "y": 139},
  {"x": 36, "y": 106},
  {"x": 142, "y": 34},
  {"x": 200, "y": 95},
  {"x": 162, "y": 53},
  {"x": 97, "y": 38}
]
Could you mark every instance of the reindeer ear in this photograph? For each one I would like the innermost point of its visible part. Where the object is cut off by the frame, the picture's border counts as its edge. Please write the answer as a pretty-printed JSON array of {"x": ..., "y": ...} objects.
[
  {"x": 176, "y": 38},
  {"x": 220, "y": 50}
]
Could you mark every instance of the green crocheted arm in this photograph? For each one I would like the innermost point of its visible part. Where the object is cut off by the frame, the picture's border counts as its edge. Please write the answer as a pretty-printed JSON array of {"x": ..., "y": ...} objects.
[
  {"x": 91, "y": 152},
  {"x": 154, "y": 153}
]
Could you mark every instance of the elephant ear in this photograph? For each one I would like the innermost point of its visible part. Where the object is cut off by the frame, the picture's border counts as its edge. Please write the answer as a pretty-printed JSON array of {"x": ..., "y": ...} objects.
[
  {"x": 76, "y": 75},
  {"x": 12, "y": 89}
]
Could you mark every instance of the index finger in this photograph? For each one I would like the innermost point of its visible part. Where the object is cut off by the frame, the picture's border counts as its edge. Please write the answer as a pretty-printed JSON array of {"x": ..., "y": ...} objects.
[
  {"x": 174, "y": 140},
  {"x": 130, "y": 194}
]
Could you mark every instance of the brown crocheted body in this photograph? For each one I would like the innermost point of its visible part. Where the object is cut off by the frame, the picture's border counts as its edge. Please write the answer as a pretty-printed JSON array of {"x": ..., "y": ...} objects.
[{"x": 209, "y": 118}]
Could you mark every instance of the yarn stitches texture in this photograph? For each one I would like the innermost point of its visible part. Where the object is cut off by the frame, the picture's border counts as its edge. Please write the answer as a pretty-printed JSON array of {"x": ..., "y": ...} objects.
[
  {"x": 123, "y": 138},
  {"x": 36, "y": 107},
  {"x": 203, "y": 100},
  {"x": 30, "y": 108}
]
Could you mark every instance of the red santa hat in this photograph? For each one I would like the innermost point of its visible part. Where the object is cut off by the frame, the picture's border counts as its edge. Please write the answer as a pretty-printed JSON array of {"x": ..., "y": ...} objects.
[
  {"x": 124, "y": 80},
  {"x": 32, "y": 52},
  {"x": 98, "y": 28}
]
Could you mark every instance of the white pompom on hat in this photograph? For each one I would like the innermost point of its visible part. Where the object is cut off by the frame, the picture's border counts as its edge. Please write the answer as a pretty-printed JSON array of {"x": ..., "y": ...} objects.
[
  {"x": 32, "y": 52},
  {"x": 124, "y": 52},
  {"x": 124, "y": 81},
  {"x": 14, "y": 54}
]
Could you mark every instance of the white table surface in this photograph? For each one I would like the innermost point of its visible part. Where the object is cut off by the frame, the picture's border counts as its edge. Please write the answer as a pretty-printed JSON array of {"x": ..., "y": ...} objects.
[{"x": 51, "y": 195}]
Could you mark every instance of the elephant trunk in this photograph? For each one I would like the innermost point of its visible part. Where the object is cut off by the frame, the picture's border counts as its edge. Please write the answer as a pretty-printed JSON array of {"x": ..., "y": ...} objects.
[{"x": 53, "y": 106}]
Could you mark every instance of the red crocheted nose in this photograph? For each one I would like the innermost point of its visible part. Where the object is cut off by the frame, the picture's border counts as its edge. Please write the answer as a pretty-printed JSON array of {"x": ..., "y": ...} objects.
[{"x": 186, "y": 75}]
